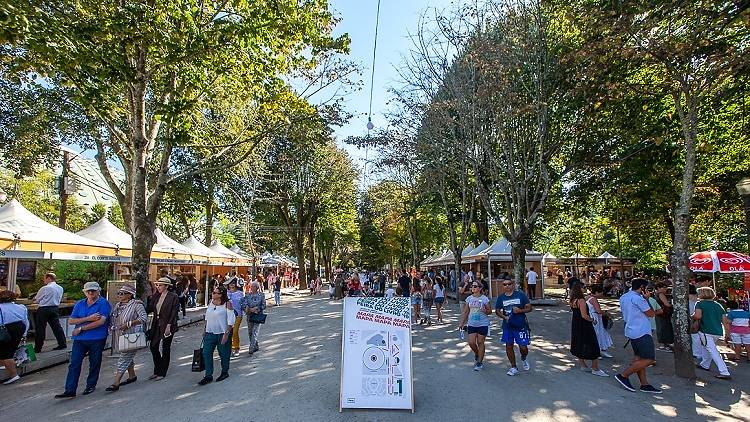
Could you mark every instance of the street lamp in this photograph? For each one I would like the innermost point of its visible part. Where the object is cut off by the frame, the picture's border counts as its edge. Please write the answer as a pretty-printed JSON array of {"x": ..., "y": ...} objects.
[{"x": 743, "y": 187}]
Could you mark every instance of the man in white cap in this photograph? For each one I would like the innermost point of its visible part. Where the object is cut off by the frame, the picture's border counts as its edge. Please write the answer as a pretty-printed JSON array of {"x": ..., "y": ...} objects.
[{"x": 89, "y": 337}]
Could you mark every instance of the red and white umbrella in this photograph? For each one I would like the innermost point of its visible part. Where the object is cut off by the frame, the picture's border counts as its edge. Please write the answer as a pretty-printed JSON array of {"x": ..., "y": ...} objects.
[{"x": 719, "y": 261}]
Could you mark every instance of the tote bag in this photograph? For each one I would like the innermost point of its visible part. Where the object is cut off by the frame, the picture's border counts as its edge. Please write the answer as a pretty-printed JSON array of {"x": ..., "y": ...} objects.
[
  {"x": 130, "y": 342},
  {"x": 198, "y": 364}
]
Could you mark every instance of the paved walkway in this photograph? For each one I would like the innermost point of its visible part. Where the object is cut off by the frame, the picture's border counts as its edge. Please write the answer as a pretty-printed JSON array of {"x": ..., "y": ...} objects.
[{"x": 296, "y": 375}]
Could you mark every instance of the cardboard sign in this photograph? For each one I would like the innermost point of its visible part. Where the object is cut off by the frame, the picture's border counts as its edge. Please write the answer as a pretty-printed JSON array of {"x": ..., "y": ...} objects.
[{"x": 376, "y": 366}]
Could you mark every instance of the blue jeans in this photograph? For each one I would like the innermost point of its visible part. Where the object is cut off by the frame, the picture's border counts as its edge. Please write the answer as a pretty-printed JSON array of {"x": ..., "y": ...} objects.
[
  {"x": 277, "y": 297},
  {"x": 191, "y": 298},
  {"x": 94, "y": 348},
  {"x": 212, "y": 341}
]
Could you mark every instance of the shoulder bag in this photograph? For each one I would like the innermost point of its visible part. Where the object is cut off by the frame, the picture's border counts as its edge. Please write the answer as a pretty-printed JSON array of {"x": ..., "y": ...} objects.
[
  {"x": 198, "y": 365},
  {"x": 131, "y": 342},
  {"x": 257, "y": 318}
]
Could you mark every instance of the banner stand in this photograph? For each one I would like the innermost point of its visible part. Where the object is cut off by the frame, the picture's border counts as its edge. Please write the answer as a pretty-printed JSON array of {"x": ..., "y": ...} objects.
[{"x": 376, "y": 370}]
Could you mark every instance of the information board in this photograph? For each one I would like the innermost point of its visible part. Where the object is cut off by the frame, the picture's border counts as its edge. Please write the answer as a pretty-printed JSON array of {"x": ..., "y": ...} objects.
[{"x": 376, "y": 367}]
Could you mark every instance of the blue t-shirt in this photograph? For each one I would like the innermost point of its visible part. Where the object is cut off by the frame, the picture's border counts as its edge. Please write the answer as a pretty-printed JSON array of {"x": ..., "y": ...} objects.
[
  {"x": 507, "y": 303},
  {"x": 633, "y": 306},
  {"x": 82, "y": 309}
]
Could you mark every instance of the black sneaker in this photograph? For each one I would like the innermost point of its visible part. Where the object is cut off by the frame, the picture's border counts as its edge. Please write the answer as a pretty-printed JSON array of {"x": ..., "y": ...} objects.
[
  {"x": 60, "y": 348},
  {"x": 648, "y": 388},
  {"x": 625, "y": 382},
  {"x": 65, "y": 395},
  {"x": 205, "y": 380},
  {"x": 222, "y": 377},
  {"x": 88, "y": 390}
]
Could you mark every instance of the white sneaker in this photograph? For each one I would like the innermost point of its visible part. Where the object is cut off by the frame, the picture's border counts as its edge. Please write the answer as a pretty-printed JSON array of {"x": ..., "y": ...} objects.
[
  {"x": 236, "y": 353},
  {"x": 605, "y": 354},
  {"x": 12, "y": 380},
  {"x": 512, "y": 372},
  {"x": 526, "y": 366},
  {"x": 599, "y": 373}
]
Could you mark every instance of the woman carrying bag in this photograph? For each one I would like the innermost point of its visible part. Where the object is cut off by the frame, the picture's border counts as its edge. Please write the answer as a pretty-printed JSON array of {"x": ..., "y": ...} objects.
[
  {"x": 218, "y": 334},
  {"x": 15, "y": 324},
  {"x": 128, "y": 320},
  {"x": 253, "y": 305},
  {"x": 163, "y": 326}
]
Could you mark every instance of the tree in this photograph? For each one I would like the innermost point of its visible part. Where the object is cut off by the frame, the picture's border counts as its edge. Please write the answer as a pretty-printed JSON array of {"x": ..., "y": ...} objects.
[
  {"x": 683, "y": 51},
  {"x": 145, "y": 73}
]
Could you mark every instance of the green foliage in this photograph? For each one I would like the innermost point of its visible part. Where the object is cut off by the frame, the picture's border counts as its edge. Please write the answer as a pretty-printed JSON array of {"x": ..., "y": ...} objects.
[{"x": 72, "y": 275}]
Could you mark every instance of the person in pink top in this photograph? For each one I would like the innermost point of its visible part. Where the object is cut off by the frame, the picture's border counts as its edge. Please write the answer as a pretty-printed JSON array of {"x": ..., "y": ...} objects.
[{"x": 737, "y": 329}]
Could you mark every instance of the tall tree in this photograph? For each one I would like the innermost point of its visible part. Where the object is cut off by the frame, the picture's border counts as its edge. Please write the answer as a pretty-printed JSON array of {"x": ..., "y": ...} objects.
[{"x": 144, "y": 72}]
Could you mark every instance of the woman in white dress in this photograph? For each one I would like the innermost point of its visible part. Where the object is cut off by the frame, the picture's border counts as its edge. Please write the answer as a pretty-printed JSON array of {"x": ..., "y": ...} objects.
[{"x": 595, "y": 310}]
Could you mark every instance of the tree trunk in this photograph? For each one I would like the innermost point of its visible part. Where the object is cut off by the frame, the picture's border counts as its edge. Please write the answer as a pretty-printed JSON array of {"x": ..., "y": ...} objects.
[
  {"x": 683, "y": 357},
  {"x": 518, "y": 254},
  {"x": 483, "y": 232},
  {"x": 299, "y": 249},
  {"x": 311, "y": 245},
  {"x": 143, "y": 241}
]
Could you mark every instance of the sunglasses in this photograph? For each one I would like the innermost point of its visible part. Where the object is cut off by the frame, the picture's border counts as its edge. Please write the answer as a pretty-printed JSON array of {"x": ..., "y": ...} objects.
[
  {"x": 507, "y": 284},
  {"x": 216, "y": 292},
  {"x": 92, "y": 291},
  {"x": 122, "y": 293},
  {"x": 475, "y": 286}
]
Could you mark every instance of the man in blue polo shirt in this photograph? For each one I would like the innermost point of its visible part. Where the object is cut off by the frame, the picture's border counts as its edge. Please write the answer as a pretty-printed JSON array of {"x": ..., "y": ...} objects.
[
  {"x": 636, "y": 313},
  {"x": 90, "y": 335}
]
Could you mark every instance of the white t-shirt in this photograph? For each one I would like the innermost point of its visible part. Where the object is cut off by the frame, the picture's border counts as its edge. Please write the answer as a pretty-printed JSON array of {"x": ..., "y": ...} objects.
[
  {"x": 218, "y": 317},
  {"x": 531, "y": 276},
  {"x": 439, "y": 292},
  {"x": 477, "y": 317},
  {"x": 390, "y": 292}
]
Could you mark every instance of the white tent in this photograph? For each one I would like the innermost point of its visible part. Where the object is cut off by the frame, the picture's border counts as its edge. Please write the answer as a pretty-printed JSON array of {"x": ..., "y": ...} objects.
[
  {"x": 193, "y": 244},
  {"x": 548, "y": 257},
  {"x": 577, "y": 256},
  {"x": 606, "y": 255},
  {"x": 104, "y": 229},
  {"x": 218, "y": 247},
  {"x": 24, "y": 235}
]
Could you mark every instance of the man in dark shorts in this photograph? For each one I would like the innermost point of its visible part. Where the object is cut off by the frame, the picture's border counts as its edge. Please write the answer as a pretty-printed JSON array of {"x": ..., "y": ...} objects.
[
  {"x": 404, "y": 281},
  {"x": 636, "y": 313}
]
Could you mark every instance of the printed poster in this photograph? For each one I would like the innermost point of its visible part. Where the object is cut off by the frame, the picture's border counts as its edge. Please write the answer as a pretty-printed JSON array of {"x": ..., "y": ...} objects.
[{"x": 376, "y": 369}]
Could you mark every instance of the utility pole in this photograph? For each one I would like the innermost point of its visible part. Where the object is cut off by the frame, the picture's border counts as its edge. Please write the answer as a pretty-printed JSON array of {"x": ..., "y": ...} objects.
[{"x": 64, "y": 186}]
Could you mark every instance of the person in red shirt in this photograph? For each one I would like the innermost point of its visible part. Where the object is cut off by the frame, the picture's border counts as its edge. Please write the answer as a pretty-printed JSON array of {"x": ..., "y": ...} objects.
[{"x": 355, "y": 287}]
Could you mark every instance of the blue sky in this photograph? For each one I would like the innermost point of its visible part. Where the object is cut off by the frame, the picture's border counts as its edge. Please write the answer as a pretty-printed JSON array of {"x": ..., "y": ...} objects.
[{"x": 398, "y": 18}]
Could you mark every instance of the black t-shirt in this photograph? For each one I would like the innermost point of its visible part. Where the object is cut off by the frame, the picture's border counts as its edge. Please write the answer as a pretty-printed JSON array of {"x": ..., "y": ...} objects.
[
  {"x": 404, "y": 281},
  {"x": 277, "y": 285}
]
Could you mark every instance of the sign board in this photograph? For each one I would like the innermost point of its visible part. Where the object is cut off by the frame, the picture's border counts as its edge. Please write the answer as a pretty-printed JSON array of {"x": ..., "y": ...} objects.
[{"x": 376, "y": 366}]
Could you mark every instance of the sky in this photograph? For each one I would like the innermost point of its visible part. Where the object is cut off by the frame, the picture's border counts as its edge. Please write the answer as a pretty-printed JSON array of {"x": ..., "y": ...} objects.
[{"x": 398, "y": 18}]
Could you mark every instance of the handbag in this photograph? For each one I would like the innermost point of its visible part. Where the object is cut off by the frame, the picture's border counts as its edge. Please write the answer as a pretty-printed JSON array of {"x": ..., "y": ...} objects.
[
  {"x": 695, "y": 326},
  {"x": 198, "y": 364},
  {"x": 130, "y": 342},
  {"x": 257, "y": 318}
]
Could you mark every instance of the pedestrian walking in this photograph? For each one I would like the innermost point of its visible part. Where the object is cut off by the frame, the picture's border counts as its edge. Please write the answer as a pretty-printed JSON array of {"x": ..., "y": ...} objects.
[
  {"x": 512, "y": 306},
  {"x": 636, "y": 312},
  {"x": 220, "y": 320},
  {"x": 475, "y": 318},
  {"x": 737, "y": 329},
  {"x": 128, "y": 317},
  {"x": 583, "y": 342},
  {"x": 163, "y": 327},
  {"x": 253, "y": 305},
  {"x": 15, "y": 317},
  {"x": 404, "y": 281},
  {"x": 531, "y": 277},
  {"x": 428, "y": 298},
  {"x": 277, "y": 291},
  {"x": 192, "y": 291},
  {"x": 595, "y": 311},
  {"x": 48, "y": 298},
  {"x": 416, "y": 302},
  {"x": 235, "y": 297},
  {"x": 664, "y": 331},
  {"x": 709, "y": 314},
  {"x": 182, "y": 294},
  {"x": 89, "y": 316},
  {"x": 439, "y": 289}
]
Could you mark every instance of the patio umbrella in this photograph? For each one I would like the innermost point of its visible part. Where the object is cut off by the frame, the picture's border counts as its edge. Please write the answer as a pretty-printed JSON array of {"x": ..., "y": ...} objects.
[{"x": 719, "y": 261}]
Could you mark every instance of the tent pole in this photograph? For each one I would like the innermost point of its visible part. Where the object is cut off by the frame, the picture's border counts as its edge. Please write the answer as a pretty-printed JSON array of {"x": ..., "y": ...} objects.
[
  {"x": 12, "y": 273},
  {"x": 713, "y": 279},
  {"x": 489, "y": 274}
]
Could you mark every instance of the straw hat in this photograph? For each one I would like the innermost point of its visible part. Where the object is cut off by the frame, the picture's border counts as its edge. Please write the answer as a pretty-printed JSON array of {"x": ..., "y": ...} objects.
[
  {"x": 128, "y": 288},
  {"x": 164, "y": 280}
]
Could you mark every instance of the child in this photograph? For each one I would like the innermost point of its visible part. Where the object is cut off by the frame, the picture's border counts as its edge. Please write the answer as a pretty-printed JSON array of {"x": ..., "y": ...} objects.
[
  {"x": 737, "y": 328},
  {"x": 331, "y": 290}
]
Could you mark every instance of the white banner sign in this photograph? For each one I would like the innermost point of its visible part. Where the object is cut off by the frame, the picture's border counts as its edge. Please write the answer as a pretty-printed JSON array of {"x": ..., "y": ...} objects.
[{"x": 376, "y": 369}]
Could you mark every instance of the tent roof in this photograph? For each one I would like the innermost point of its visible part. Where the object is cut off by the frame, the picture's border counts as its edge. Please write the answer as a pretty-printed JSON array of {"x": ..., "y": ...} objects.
[
  {"x": 220, "y": 248},
  {"x": 607, "y": 255},
  {"x": 193, "y": 244},
  {"x": 18, "y": 223},
  {"x": 166, "y": 243},
  {"x": 103, "y": 231},
  {"x": 467, "y": 249},
  {"x": 577, "y": 256},
  {"x": 548, "y": 256},
  {"x": 236, "y": 249},
  {"x": 479, "y": 249}
]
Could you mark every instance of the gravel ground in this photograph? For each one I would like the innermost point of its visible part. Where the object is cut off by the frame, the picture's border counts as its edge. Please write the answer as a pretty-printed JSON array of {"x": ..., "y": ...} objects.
[{"x": 296, "y": 374}]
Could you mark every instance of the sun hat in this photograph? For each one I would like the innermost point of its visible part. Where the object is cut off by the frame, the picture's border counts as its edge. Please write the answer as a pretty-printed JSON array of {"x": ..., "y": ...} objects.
[
  {"x": 91, "y": 285},
  {"x": 128, "y": 288},
  {"x": 164, "y": 280}
]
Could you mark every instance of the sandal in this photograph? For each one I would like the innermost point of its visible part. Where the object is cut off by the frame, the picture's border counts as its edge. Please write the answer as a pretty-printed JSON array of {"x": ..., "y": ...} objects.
[
  {"x": 129, "y": 381},
  {"x": 112, "y": 388},
  {"x": 152, "y": 377}
]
